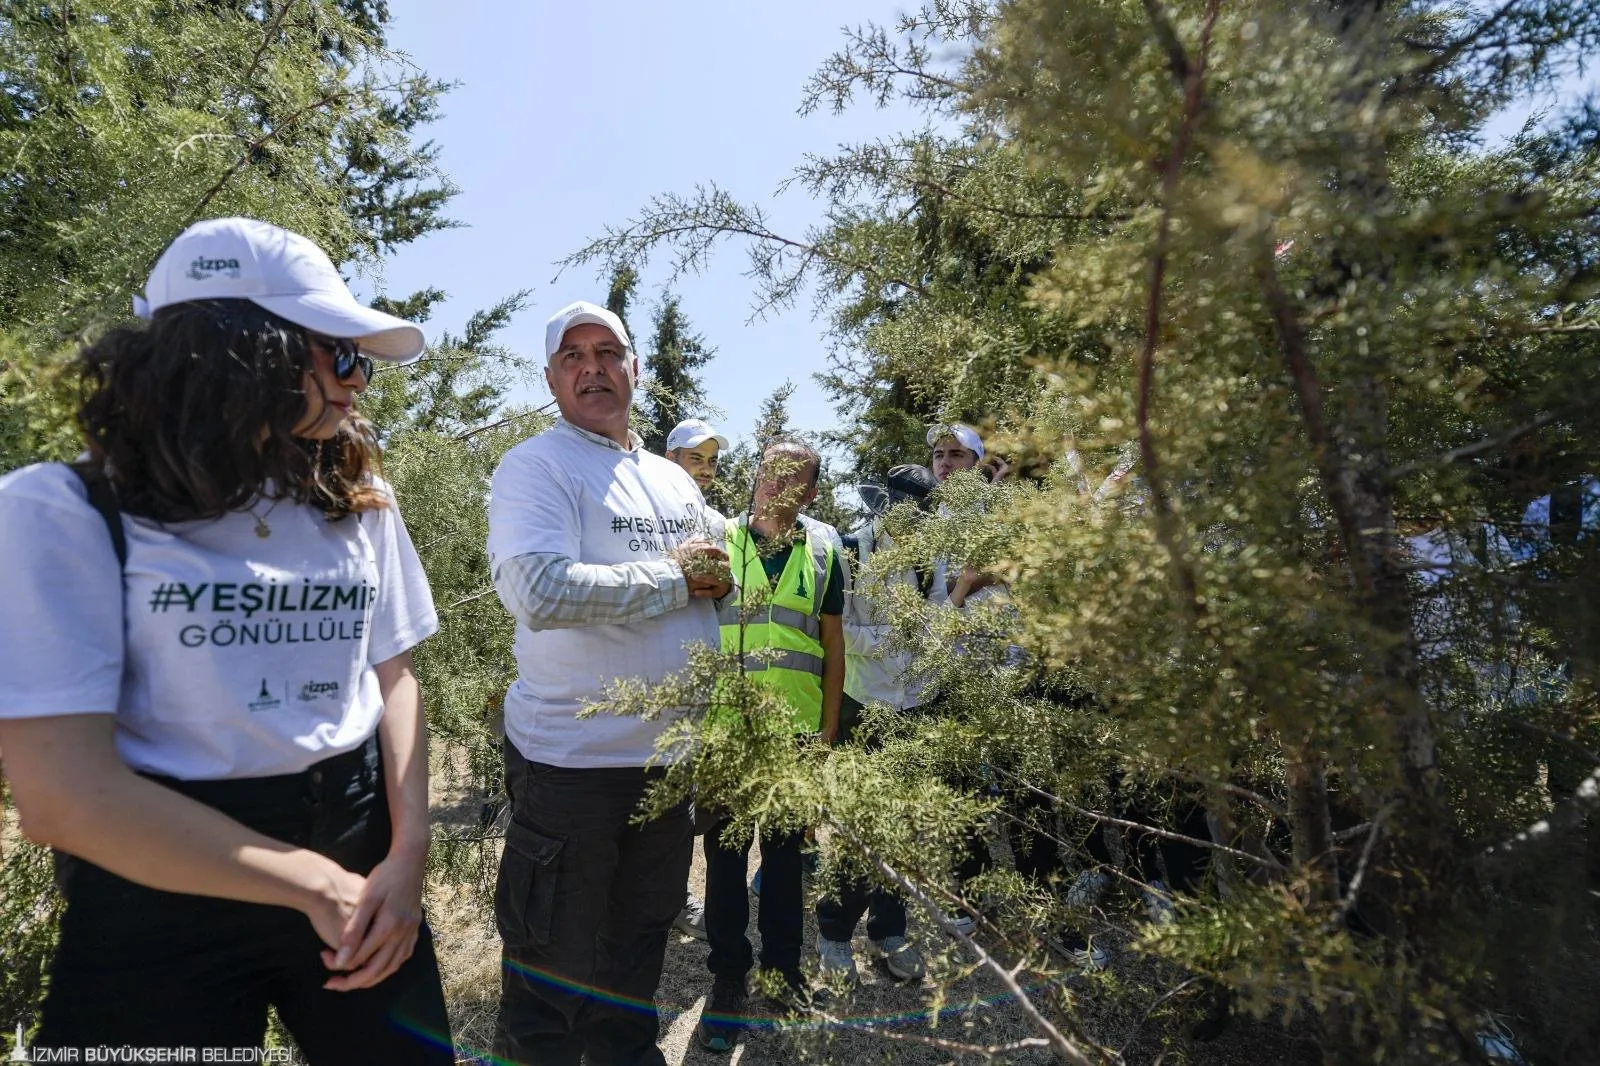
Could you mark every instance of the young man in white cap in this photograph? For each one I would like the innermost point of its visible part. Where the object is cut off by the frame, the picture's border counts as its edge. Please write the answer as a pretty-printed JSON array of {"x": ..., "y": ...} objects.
[
  {"x": 595, "y": 547},
  {"x": 957, "y": 446},
  {"x": 694, "y": 444}
]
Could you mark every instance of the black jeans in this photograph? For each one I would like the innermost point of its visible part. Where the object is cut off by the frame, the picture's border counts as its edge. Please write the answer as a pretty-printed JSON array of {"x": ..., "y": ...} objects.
[
  {"x": 780, "y": 914},
  {"x": 839, "y": 911},
  {"x": 584, "y": 902},
  {"x": 139, "y": 967}
]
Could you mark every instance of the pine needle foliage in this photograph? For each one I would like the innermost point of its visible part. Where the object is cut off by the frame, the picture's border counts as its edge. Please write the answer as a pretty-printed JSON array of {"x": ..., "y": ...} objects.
[{"x": 1294, "y": 361}]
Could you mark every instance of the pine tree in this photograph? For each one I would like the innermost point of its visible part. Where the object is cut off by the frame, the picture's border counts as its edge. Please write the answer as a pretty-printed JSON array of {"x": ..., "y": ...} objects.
[
  {"x": 1343, "y": 606},
  {"x": 672, "y": 389},
  {"x": 620, "y": 292},
  {"x": 123, "y": 122}
]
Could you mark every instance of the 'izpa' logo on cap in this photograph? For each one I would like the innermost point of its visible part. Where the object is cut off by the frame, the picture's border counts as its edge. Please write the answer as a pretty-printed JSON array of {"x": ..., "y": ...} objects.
[{"x": 203, "y": 269}]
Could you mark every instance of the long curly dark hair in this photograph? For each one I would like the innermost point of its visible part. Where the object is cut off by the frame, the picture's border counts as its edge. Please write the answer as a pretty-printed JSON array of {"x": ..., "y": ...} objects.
[{"x": 192, "y": 416}]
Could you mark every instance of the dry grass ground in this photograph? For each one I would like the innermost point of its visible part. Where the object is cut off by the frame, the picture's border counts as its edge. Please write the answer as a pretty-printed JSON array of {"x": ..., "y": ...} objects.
[{"x": 1117, "y": 1006}]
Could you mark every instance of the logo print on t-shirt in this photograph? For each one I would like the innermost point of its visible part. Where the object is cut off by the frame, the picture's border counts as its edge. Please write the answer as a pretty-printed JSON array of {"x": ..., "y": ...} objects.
[
  {"x": 265, "y": 701},
  {"x": 802, "y": 589},
  {"x": 312, "y": 691}
]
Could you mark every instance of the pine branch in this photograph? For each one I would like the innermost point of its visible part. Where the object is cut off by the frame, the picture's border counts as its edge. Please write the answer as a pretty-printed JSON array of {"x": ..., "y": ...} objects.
[
  {"x": 255, "y": 146},
  {"x": 1308, "y": 390},
  {"x": 1145, "y": 1017},
  {"x": 1167, "y": 36},
  {"x": 266, "y": 40},
  {"x": 1353, "y": 893},
  {"x": 469, "y": 434},
  {"x": 1168, "y": 834},
  {"x": 953, "y": 1047},
  {"x": 1568, "y": 815},
  {"x": 1166, "y": 525},
  {"x": 1270, "y": 806},
  {"x": 1468, "y": 451},
  {"x": 1451, "y": 52},
  {"x": 1063, "y": 1045},
  {"x": 1012, "y": 212},
  {"x": 1567, "y": 740}
]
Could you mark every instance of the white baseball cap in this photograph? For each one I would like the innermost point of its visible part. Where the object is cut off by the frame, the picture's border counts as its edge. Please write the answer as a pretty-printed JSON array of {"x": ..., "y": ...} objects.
[
  {"x": 693, "y": 432},
  {"x": 965, "y": 435},
  {"x": 246, "y": 259},
  {"x": 577, "y": 314}
]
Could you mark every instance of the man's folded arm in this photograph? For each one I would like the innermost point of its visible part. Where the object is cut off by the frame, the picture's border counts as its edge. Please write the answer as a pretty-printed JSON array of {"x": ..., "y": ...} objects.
[{"x": 546, "y": 590}]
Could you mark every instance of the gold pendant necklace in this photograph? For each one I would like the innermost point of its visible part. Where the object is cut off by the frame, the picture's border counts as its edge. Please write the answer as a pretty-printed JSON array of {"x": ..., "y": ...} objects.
[{"x": 262, "y": 529}]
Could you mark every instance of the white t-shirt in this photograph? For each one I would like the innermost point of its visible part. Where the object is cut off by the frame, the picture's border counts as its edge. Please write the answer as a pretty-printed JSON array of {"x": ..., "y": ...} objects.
[
  {"x": 222, "y": 654},
  {"x": 565, "y": 494},
  {"x": 872, "y": 672}
]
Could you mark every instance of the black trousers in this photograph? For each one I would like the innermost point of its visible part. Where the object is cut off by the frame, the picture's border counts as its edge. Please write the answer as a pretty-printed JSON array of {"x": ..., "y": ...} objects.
[
  {"x": 584, "y": 902},
  {"x": 839, "y": 911},
  {"x": 780, "y": 914},
  {"x": 144, "y": 968}
]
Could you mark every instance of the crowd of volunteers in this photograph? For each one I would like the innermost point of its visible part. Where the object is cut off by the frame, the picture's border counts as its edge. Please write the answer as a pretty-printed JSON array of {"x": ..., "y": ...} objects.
[{"x": 208, "y": 708}]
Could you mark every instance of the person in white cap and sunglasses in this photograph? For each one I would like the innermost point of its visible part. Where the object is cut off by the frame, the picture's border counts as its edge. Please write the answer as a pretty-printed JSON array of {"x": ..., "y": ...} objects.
[
  {"x": 207, "y": 705},
  {"x": 597, "y": 549}
]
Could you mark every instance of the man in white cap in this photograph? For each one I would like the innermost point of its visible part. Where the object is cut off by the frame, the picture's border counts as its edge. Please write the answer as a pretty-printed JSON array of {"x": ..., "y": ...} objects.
[
  {"x": 694, "y": 444},
  {"x": 596, "y": 549},
  {"x": 957, "y": 446}
]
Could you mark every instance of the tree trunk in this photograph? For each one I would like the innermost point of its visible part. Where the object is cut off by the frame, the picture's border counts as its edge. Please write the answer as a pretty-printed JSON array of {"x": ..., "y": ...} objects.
[{"x": 1310, "y": 823}]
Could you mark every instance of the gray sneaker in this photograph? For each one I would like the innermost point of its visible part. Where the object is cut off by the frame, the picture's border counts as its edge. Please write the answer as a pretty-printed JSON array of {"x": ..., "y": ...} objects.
[
  {"x": 691, "y": 921},
  {"x": 1087, "y": 888},
  {"x": 1158, "y": 904},
  {"x": 836, "y": 957},
  {"x": 900, "y": 958},
  {"x": 1078, "y": 950},
  {"x": 961, "y": 920}
]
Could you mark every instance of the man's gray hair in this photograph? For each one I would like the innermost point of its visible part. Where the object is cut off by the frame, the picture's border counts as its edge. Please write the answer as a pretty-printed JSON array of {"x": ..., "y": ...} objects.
[{"x": 796, "y": 446}]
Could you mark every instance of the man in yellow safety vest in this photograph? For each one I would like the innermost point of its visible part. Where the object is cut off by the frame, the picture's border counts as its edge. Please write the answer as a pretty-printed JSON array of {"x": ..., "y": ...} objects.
[{"x": 799, "y": 632}]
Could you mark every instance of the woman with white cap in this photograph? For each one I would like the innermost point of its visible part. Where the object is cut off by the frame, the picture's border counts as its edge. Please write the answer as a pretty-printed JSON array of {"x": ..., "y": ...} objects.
[{"x": 207, "y": 705}]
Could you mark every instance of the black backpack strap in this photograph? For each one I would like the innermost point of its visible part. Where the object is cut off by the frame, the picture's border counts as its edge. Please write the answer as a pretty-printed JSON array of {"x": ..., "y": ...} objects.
[{"x": 103, "y": 498}]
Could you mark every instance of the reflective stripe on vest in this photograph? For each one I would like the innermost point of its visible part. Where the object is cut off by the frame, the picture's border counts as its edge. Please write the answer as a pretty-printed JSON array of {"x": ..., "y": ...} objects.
[
  {"x": 755, "y": 662},
  {"x": 809, "y": 624}
]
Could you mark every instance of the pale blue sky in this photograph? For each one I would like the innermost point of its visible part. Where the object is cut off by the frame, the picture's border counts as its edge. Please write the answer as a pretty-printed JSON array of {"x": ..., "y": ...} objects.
[{"x": 571, "y": 116}]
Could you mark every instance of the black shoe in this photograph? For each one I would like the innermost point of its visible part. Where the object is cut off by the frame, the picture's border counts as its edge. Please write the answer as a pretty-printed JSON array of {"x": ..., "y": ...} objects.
[
  {"x": 723, "y": 1015},
  {"x": 793, "y": 996}
]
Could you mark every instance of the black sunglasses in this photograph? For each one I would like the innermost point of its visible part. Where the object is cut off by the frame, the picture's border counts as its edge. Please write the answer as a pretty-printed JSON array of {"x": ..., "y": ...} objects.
[{"x": 347, "y": 357}]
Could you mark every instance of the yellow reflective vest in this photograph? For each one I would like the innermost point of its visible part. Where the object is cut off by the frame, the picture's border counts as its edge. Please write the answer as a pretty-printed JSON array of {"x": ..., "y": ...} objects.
[{"x": 789, "y": 623}]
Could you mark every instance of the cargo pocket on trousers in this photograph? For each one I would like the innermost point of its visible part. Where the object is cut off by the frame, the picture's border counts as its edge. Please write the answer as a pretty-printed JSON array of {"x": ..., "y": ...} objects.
[{"x": 525, "y": 890}]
